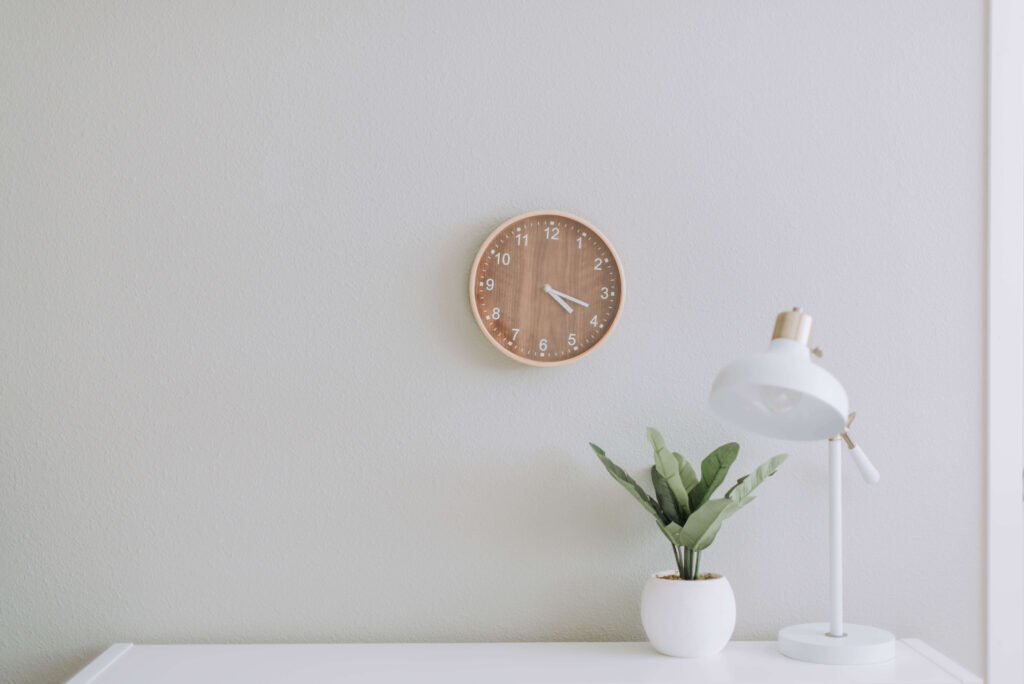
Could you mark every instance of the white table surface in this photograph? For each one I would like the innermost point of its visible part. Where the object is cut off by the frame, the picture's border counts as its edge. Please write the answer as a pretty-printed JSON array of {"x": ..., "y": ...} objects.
[{"x": 742, "y": 662}]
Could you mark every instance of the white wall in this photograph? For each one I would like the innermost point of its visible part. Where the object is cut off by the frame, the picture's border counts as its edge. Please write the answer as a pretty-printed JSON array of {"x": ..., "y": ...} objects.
[{"x": 242, "y": 395}]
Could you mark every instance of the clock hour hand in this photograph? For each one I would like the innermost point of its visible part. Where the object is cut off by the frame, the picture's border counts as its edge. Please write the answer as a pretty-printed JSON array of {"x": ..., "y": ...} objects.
[
  {"x": 561, "y": 303},
  {"x": 553, "y": 291}
]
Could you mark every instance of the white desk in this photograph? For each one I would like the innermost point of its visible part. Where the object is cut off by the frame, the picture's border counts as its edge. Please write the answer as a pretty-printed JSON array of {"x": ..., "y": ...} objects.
[{"x": 742, "y": 662}]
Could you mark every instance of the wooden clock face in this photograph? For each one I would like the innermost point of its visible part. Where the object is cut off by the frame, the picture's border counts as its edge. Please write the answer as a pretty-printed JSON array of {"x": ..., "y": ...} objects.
[{"x": 546, "y": 288}]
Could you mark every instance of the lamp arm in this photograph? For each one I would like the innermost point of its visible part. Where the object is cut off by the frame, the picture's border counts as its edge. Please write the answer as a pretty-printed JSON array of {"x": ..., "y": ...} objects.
[{"x": 867, "y": 470}]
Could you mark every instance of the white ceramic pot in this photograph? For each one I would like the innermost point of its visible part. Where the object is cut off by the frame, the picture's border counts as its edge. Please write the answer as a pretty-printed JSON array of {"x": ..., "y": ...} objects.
[{"x": 688, "y": 618}]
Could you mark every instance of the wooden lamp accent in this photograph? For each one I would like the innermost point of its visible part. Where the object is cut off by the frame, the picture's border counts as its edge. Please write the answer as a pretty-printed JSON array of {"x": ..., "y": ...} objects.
[{"x": 546, "y": 288}]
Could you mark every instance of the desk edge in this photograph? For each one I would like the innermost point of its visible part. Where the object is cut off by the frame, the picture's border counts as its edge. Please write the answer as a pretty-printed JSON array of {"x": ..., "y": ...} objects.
[
  {"x": 99, "y": 664},
  {"x": 105, "y": 660},
  {"x": 953, "y": 668}
]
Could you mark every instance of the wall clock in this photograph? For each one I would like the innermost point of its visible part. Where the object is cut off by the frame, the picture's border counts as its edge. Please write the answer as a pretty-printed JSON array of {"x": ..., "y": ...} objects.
[{"x": 546, "y": 288}]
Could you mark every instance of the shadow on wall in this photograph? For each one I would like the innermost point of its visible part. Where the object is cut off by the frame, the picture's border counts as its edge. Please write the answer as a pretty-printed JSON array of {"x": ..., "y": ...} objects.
[{"x": 548, "y": 524}]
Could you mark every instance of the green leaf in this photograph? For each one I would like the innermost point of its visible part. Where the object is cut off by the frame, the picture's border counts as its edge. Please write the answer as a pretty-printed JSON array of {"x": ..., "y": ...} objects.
[
  {"x": 674, "y": 533},
  {"x": 713, "y": 470},
  {"x": 665, "y": 497},
  {"x": 630, "y": 485},
  {"x": 748, "y": 483},
  {"x": 738, "y": 483},
  {"x": 701, "y": 527},
  {"x": 668, "y": 468},
  {"x": 686, "y": 473}
]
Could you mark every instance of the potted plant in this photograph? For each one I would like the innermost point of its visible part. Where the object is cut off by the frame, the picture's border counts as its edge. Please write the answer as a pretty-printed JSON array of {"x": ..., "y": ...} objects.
[{"x": 684, "y": 612}]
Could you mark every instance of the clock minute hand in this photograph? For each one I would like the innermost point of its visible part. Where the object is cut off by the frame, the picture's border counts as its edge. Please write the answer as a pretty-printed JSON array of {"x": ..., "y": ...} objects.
[
  {"x": 561, "y": 302},
  {"x": 553, "y": 291}
]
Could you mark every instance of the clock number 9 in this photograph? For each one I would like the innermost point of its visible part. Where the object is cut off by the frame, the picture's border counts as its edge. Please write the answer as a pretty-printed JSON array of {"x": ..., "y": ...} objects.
[{"x": 490, "y": 286}]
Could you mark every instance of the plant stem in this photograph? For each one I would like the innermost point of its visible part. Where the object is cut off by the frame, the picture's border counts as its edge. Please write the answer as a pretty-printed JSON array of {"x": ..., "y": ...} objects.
[
  {"x": 688, "y": 569},
  {"x": 696, "y": 565},
  {"x": 679, "y": 560}
]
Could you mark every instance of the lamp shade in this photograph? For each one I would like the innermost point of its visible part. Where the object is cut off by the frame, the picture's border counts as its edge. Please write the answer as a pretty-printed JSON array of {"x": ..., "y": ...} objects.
[{"x": 781, "y": 393}]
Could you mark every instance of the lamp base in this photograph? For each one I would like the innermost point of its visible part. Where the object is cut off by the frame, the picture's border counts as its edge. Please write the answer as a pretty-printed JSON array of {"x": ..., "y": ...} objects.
[{"x": 861, "y": 645}]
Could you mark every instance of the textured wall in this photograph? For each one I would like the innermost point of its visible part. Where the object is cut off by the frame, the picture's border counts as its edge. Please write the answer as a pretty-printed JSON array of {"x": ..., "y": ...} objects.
[{"x": 242, "y": 395}]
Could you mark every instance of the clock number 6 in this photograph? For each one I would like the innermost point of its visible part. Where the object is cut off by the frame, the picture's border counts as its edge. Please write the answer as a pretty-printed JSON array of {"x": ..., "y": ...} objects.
[{"x": 543, "y": 344}]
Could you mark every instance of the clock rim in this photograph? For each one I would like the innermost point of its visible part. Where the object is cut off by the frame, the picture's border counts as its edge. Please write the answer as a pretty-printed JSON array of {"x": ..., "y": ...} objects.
[{"x": 483, "y": 250}]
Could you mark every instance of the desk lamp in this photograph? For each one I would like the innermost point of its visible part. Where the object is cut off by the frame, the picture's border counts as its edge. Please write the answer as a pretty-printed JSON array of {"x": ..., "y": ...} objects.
[{"x": 781, "y": 393}]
